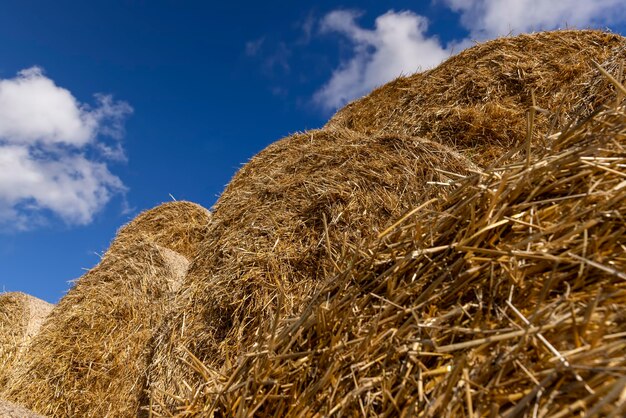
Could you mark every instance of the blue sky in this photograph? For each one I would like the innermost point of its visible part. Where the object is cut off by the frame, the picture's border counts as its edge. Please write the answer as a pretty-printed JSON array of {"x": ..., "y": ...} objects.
[{"x": 109, "y": 107}]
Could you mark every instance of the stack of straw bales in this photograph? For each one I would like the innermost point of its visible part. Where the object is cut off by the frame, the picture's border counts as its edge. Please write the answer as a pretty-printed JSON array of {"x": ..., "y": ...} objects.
[
  {"x": 21, "y": 316},
  {"x": 278, "y": 229},
  {"x": 452, "y": 244},
  {"x": 91, "y": 356},
  {"x": 476, "y": 101},
  {"x": 507, "y": 300},
  {"x": 498, "y": 298}
]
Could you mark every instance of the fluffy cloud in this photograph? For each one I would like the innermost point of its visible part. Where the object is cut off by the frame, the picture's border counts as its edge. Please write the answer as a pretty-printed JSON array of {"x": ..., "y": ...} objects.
[
  {"x": 397, "y": 45},
  {"x": 490, "y": 18},
  {"x": 34, "y": 110},
  {"x": 46, "y": 136}
]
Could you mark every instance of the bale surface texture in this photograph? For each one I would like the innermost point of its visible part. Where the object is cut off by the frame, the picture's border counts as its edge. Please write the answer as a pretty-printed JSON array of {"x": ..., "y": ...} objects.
[
  {"x": 277, "y": 229},
  {"x": 21, "y": 316},
  {"x": 476, "y": 101},
  {"x": 11, "y": 410},
  {"x": 90, "y": 358},
  {"x": 509, "y": 299}
]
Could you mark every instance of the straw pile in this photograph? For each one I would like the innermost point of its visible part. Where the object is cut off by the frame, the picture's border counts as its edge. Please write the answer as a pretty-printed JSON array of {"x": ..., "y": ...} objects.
[
  {"x": 476, "y": 101},
  {"x": 21, "y": 316},
  {"x": 508, "y": 299},
  {"x": 91, "y": 356},
  {"x": 278, "y": 228}
]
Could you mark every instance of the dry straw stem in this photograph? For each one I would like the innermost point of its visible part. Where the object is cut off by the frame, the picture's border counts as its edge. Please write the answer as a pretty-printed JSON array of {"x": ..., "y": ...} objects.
[
  {"x": 91, "y": 356},
  {"x": 21, "y": 316},
  {"x": 476, "y": 101},
  {"x": 278, "y": 229},
  {"x": 508, "y": 301}
]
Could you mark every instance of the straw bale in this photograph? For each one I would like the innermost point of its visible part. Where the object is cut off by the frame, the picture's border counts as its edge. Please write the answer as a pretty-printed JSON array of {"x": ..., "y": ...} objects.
[
  {"x": 508, "y": 300},
  {"x": 476, "y": 101},
  {"x": 91, "y": 356},
  {"x": 178, "y": 226},
  {"x": 21, "y": 316},
  {"x": 277, "y": 229}
]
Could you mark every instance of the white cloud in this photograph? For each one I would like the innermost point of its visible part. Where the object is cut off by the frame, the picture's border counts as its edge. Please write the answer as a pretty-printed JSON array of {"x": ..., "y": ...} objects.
[
  {"x": 487, "y": 19},
  {"x": 397, "y": 45},
  {"x": 45, "y": 138},
  {"x": 33, "y": 109}
]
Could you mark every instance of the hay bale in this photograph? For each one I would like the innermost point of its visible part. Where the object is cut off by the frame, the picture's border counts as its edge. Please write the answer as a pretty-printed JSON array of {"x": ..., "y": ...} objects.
[
  {"x": 278, "y": 228},
  {"x": 21, "y": 316},
  {"x": 177, "y": 226},
  {"x": 90, "y": 358},
  {"x": 509, "y": 300},
  {"x": 476, "y": 101}
]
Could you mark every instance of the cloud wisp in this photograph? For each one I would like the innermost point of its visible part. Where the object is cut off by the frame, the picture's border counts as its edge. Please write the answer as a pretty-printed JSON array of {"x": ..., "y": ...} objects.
[
  {"x": 487, "y": 19},
  {"x": 54, "y": 151},
  {"x": 399, "y": 43}
]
